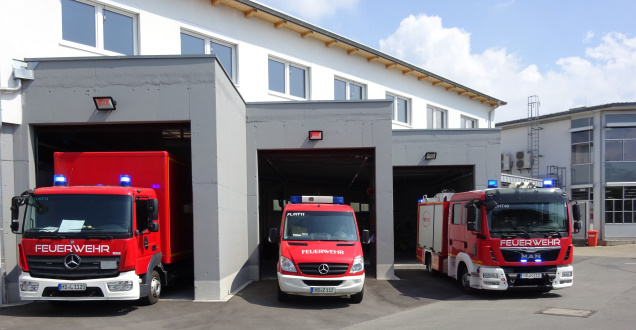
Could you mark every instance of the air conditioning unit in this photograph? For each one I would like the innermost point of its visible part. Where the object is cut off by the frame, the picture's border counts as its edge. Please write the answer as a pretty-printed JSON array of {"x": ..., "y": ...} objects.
[
  {"x": 523, "y": 160},
  {"x": 505, "y": 162}
]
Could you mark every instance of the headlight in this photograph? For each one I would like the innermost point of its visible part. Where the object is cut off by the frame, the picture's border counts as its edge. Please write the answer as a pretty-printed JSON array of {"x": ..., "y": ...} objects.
[
  {"x": 287, "y": 265},
  {"x": 358, "y": 265},
  {"x": 120, "y": 286},
  {"x": 29, "y": 286},
  {"x": 567, "y": 274},
  {"x": 490, "y": 275}
]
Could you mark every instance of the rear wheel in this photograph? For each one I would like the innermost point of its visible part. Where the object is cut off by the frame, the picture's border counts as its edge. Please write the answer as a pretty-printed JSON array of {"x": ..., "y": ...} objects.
[
  {"x": 463, "y": 279},
  {"x": 357, "y": 298},
  {"x": 429, "y": 266},
  {"x": 154, "y": 290}
]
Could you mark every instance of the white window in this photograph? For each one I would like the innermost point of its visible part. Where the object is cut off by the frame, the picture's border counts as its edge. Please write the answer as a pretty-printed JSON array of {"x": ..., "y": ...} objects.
[
  {"x": 197, "y": 44},
  {"x": 438, "y": 118},
  {"x": 287, "y": 78},
  {"x": 347, "y": 90},
  {"x": 99, "y": 27},
  {"x": 401, "y": 109},
  {"x": 467, "y": 122}
]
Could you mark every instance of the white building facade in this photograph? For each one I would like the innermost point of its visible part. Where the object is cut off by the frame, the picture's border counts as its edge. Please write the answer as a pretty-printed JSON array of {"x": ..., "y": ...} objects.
[{"x": 591, "y": 152}]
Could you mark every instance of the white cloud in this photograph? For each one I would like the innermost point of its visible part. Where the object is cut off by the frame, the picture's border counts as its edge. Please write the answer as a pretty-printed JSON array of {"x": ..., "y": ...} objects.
[
  {"x": 313, "y": 10},
  {"x": 604, "y": 74},
  {"x": 588, "y": 37}
]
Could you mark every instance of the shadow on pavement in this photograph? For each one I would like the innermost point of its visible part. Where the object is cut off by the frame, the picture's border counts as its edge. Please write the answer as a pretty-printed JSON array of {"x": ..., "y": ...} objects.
[{"x": 71, "y": 309}]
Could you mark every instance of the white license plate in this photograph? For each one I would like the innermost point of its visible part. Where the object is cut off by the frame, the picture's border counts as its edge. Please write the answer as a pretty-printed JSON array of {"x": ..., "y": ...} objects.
[
  {"x": 531, "y": 275},
  {"x": 71, "y": 286},
  {"x": 323, "y": 290}
]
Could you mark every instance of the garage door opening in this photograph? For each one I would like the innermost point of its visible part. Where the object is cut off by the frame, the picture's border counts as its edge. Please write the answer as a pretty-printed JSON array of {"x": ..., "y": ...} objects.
[
  {"x": 349, "y": 173},
  {"x": 171, "y": 137},
  {"x": 410, "y": 184}
]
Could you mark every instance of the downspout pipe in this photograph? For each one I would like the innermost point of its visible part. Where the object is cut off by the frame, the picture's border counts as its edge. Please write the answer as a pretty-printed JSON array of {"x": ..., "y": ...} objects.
[
  {"x": 490, "y": 113},
  {"x": 16, "y": 88}
]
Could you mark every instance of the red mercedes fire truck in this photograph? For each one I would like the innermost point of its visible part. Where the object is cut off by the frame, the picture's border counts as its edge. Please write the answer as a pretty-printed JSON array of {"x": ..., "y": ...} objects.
[
  {"x": 320, "y": 252},
  {"x": 114, "y": 226},
  {"x": 500, "y": 238}
]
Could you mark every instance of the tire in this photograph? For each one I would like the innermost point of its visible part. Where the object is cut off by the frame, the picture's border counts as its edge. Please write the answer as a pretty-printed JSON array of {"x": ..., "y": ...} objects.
[
  {"x": 357, "y": 298},
  {"x": 282, "y": 296},
  {"x": 463, "y": 279},
  {"x": 154, "y": 289},
  {"x": 429, "y": 266}
]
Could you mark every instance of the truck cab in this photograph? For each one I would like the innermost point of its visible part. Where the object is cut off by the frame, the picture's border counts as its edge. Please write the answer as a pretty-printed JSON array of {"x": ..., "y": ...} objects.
[{"x": 320, "y": 251}]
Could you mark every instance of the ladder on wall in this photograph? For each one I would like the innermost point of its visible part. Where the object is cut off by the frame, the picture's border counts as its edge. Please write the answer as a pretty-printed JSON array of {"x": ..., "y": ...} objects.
[{"x": 533, "y": 134}]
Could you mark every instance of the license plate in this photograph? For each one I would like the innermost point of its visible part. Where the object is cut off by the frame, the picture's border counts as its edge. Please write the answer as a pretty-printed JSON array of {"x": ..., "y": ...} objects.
[
  {"x": 531, "y": 275},
  {"x": 71, "y": 286},
  {"x": 323, "y": 290}
]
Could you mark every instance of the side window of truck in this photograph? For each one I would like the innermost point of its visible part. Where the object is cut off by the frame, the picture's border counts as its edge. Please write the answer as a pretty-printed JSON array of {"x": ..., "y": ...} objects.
[
  {"x": 141, "y": 214},
  {"x": 457, "y": 214}
]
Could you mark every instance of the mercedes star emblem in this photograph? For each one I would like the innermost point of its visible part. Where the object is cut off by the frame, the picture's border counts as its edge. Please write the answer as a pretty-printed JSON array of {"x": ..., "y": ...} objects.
[
  {"x": 323, "y": 269},
  {"x": 72, "y": 261}
]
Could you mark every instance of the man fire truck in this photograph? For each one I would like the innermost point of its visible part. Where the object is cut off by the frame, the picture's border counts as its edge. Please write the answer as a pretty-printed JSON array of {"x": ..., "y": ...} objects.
[
  {"x": 113, "y": 227},
  {"x": 501, "y": 238}
]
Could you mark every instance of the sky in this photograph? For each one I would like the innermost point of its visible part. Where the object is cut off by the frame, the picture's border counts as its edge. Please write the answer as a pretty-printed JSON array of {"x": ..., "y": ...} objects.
[{"x": 569, "y": 53}]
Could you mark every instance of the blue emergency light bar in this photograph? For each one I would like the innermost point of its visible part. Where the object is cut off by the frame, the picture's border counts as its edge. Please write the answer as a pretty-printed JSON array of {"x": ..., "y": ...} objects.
[
  {"x": 124, "y": 180},
  {"x": 317, "y": 199},
  {"x": 59, "y": 180},
  {"x": 492, "y": 183},
  {"x": 548, "y": 183}
]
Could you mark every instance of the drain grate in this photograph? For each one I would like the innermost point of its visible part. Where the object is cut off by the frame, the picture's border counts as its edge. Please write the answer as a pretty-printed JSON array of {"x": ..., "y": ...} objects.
[{"x": 566, "y": 312}]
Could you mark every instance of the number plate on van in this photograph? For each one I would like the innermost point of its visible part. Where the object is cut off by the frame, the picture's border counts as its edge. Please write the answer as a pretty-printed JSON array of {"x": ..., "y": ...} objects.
[
  {"x": 71, "y": 287},
  {"x": 531, "y": 275},
  {"x": 323, "y": 290}
]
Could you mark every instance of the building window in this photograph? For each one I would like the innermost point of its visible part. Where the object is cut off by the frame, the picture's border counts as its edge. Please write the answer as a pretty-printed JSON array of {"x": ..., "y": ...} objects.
[
  {"x": 401, "y": 111},
  {"x": 287, "y": 78},
  {"x": 620, "y": 204},
  {"x": 225, "y": 52},
  {"x": 467, "y": 122},
  {"x": 620, "y": 154},
  {"x": 90, "y": 24},
  {"x": 582, "y": 153},
  {"x": 437, "y": 118},
  {"x": 347, "y": 90}
]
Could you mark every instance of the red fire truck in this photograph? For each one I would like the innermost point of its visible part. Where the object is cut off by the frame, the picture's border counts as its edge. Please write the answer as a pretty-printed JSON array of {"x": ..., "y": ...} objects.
[
  {"x": 320, "y": 252},
  {"x": 500, "y": 238},
  {"x": 114, "y": 226}
]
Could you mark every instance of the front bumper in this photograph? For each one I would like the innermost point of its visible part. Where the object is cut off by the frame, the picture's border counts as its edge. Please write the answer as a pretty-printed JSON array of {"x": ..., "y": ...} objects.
[
  {"x": 301, "y": 285},
  {"x": 511, "y": 279},
  {"x": 96, "y": 289}
]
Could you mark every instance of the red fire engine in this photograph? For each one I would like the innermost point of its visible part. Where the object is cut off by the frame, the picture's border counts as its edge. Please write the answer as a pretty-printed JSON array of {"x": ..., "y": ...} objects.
[
  {"x": 500, "y": 238},
  {"x": 113, "y": 227}
]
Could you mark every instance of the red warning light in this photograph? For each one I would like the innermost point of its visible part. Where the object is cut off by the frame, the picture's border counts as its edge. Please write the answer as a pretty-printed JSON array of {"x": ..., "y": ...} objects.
[{"x": 315, "y": 135}]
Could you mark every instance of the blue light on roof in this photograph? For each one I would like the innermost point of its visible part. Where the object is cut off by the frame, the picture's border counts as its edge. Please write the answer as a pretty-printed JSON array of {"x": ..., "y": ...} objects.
[
  {"x": 492, "y": 183},
  {"x": 296, "y": 199},
  {"x": 338, "y": 200},
  {"x": 548, "y": 183},
  {"x": 59, "y": 180},
  {"x": 155, "y": 186},
  {"x": 420, "y": 201},
  {"x": 124, "y": 180}
]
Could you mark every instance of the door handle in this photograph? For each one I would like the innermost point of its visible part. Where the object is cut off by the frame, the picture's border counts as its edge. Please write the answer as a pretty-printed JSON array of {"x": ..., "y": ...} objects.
[{"x": 146, "y": 242}]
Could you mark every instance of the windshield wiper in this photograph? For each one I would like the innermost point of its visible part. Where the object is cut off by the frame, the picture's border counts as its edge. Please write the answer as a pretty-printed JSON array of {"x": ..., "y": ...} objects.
[
  {"x": 512, "y": 232},
  {"x": 549, "y": 233},
  {"x": 47, "y": 233}
]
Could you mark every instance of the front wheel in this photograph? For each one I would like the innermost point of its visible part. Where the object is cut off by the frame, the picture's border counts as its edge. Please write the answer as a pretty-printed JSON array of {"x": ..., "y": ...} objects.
[
  {"x": 154, "y": 291},
  {"x": 357, "y": 298},
  {"x": 463, "y": 278}
]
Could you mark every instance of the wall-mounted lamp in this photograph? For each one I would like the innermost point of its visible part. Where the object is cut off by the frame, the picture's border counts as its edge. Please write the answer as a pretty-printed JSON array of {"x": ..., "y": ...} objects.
[
  {"x": 315, "y": 135},
  {"x": 430, "y": 155},
  {"x": 104, "y": 103}
]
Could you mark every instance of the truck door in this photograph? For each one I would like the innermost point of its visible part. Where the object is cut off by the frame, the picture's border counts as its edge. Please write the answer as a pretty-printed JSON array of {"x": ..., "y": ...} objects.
[
  {"x": 456, "y": 230},
  {"x": 147, "y": 242}
]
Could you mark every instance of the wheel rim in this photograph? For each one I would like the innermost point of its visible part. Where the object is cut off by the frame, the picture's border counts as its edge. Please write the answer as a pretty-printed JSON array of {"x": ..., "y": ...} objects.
[
  {"x": 155, "y": 287},
  {"x": 465, "y": 280}
]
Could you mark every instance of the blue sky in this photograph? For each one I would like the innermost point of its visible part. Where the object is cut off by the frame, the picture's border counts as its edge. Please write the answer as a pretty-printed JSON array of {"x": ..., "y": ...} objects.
[{"x": 569, "y": 53}]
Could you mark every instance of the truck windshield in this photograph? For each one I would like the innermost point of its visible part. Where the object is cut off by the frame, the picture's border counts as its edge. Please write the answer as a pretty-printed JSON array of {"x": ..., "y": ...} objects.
[
  {"x": 78, "y": 216},
  {"x": 528, "y": 220},
  {"x": 320, "y": 226}
]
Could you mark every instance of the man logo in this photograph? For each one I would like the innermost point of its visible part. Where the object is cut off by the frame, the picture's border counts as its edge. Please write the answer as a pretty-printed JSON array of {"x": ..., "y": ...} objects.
[
  {"x": 323, "y": 269},
  {"x": 72, "y": 261}
]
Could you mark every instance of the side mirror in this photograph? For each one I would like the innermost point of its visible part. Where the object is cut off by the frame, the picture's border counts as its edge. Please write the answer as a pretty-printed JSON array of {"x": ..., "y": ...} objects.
[
  {"x": 15, "y": 208},
  {"x": 576, "y": 212},
  {"x": 470, "y": 226},
  {"x": 365, "y": 236},
  {"x": 153, "y": 209},
  {"x": 153, "y": 227},
  {"x": 15, "y": 227},
  {"x": 490, "y": 205},
  {"x": 577, "y": 226},
  {"x": 273, "y": 235}
]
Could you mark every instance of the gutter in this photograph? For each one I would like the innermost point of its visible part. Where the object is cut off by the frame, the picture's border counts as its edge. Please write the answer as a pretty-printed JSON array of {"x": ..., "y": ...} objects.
[{"x": 490, "y": 113}]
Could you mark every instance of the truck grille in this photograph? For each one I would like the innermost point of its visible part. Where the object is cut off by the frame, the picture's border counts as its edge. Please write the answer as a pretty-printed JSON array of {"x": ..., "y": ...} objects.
[
  {"x": 89, "y": 292},
  {"x": 313, "y": 268},
  {"x": 517, "y": 255},
  {"x": 53, "y": 267}
]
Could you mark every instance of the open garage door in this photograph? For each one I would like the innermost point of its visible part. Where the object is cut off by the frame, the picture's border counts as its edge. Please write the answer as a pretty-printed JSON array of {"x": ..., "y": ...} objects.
[
  {"x": 171, "y": 137},
  {"x": 348, "y": 173},
  {"x": 410, "y": 183}
]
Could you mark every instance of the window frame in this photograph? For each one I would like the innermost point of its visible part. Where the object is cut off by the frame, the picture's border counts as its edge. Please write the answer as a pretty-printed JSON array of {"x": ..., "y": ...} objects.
[
  {"x": 207, "y": 48},
  {"x": 348, "y": 83},
  {"x": 287, "y": 64},
  {"x": 394, "y": 114},
  {"x": 465, "y": 119},
  {"x": 100, "y": 7},
  {"x": 433, "y": 110}
]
